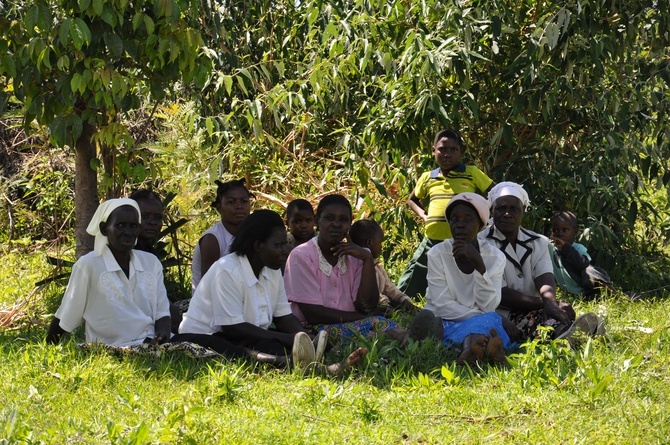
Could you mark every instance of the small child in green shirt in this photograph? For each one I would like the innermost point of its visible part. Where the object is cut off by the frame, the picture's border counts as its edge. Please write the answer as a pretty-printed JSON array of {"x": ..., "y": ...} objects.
[{"x": 573, "y": 270}]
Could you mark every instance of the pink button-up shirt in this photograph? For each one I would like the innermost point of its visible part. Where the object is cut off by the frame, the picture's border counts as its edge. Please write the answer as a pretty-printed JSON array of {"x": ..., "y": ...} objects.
[{"x": 309, "y": 278}]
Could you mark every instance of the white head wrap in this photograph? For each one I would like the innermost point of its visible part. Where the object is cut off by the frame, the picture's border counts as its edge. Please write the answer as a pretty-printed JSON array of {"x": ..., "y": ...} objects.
[
  {"x": 509, "y": 189},
  {"x": 101, "y": 214},
  {"x": 480, "y": 204}
]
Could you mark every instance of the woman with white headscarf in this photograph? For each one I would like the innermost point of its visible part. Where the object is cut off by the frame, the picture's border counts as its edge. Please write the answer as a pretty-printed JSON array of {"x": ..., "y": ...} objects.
[
  {"x": 529, "y": 288},
  {"x": 117, "y": 291}
]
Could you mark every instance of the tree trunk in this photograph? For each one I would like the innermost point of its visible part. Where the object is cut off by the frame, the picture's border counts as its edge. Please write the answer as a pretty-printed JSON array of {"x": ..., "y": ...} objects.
[{"x": 85, "y": 189}]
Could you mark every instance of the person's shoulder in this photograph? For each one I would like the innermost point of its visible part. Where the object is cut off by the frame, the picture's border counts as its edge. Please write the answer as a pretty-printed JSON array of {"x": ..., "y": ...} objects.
[
  {"x": 535, "y": 238},
  {"x": 230, "y": 262},
  {"x": 489, "y": 234},
  {"x": 580, "y": 247},
  {"x": 145, "y": 256},
  {"x": 440, "y": 248},
  {"x": 306, "y": 248},
  {"x": 86, "y": 261},
  {"x": 488, "y": 247},
  {"x": 424, "y": 178},
  {"x": 469, "y": 168}
]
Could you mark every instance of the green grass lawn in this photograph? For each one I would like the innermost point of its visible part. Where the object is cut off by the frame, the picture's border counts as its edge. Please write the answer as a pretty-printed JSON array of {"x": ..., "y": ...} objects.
[{"x": 611, "y": 390}]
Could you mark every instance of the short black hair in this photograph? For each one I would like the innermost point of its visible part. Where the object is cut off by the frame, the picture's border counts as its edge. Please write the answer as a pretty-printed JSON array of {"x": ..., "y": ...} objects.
[
  {"x": 449, "y": 134},
  {"x": 333, "y": 199},
  {"x": 363, "y": 231},
  {"x": 142, "y": 194},
  {"x": 566, "y": 216},
  {"x": 224, "y": 187},
  {"x": 258, "y": 226},
  {"x": 297, "y": 205}
]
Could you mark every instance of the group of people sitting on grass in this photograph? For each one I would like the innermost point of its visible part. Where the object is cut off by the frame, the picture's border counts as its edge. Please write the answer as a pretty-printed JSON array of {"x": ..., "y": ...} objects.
[{"x": 282, "y": 299}]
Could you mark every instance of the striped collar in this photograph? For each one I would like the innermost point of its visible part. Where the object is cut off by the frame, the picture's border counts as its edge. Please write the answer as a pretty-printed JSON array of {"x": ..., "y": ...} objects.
[
  {"x": 521, "y": 251},
  {"x": 435, "y": 173}
]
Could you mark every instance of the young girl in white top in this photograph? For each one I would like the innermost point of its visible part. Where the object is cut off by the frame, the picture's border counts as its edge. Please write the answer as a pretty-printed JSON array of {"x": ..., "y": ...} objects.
[{"x": 233, "y": 204}]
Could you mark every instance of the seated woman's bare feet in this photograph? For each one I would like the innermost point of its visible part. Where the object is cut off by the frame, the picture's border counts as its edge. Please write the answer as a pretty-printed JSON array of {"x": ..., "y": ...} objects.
[
  {"x": 495, "y": 349},
  {"x": 354, "y": 359},
  {"x": 474, "y": 347}
]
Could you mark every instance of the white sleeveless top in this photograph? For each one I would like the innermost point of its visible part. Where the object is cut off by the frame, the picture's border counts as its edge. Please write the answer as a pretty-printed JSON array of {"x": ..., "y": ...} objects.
[{"x": 224, "y": 238}]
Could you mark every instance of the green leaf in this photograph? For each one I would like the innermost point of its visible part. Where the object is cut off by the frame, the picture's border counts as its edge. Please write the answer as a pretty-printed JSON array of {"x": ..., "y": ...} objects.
[
  {"x": 228, "y": 84},
  {"x": 44, "y": 21},
  {"x": 108, "y": 17},
  {"x": 77, "y": 35},
  {"x": 64, "y": 33},
  {"x": 83, "y": 5},
  {"x": 98, "y": 6},
  {"x": 63, "y": 63},
  {"x": 43, "y": 58},
  {"x": 75, "y": 81},
  {"x": 75, "y": 126},
  {"x": 137, "y": 20},
  {"x": 30, "y": 20},
  {"x": 8, "y": 65},
  {"x": 312, "y": 16},
  {"x": 114, "y": 43},
  {"x": 379, "y": 185},
  {"x": 149, "y": 24}
]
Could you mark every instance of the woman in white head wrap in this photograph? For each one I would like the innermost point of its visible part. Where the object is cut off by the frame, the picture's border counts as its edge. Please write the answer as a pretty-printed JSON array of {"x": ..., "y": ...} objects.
[
  {"x": 529, "y": 289},
  {"x": 117, "y": 291}
]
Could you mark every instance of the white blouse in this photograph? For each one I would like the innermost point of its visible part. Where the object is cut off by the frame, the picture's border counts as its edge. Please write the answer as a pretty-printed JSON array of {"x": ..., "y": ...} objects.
[
  {"x": 456, "y": 296},
  {"x": 117, "y": 310},
  {"x": 230, "y": 293}
]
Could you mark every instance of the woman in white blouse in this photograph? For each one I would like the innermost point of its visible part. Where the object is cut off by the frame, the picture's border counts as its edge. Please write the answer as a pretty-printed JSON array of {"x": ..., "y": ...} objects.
[{"x": 465, "y": 278}]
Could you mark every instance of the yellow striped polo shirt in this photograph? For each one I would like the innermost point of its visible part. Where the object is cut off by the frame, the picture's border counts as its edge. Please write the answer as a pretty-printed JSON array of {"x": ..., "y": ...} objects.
[{"x": 440, "y": 190}]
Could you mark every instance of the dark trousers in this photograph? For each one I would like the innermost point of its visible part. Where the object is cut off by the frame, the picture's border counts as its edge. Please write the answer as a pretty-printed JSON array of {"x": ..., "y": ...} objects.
[
  {"x": 413, "y": 280},
  {"x": 233, "y": 349}
]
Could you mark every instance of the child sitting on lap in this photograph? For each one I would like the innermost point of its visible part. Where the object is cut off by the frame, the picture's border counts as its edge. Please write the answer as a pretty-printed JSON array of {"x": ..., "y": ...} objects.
[
  {"x": 573, "y": 270},
  {"x": 368, "y": 233}
]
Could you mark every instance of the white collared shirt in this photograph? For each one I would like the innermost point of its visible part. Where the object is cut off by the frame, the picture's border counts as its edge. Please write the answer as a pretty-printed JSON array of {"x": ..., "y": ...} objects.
[
  {"x": 230, "y": 294},
  {"x": 117, "y": 310},
  {"x": 526, "y": 261},
  {"x": 456, "y": 296}
]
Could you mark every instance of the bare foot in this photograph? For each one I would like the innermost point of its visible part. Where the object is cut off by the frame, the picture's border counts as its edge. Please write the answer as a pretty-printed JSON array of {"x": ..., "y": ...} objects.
[
  {"x": 475, "y": 351},
  {"x": 354, "y": 359},
  {"x": 495, "y": 349}
]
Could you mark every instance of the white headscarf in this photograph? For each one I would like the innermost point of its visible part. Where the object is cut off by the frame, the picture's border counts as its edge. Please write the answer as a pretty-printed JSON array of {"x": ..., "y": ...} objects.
[
  {"x": 101, "y": 214},
  {"x": 509, "y": 189}
]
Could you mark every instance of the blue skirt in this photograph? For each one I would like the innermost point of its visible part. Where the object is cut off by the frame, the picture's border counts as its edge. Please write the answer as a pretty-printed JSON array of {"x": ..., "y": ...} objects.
[{"x": 456, "y": 331}]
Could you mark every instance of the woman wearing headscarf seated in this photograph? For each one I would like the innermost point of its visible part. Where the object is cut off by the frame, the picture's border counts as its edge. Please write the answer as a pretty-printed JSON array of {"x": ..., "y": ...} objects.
[
  {"x": 529, "y": 288},
  {"x": 464, "y": 287},
  {"x": 117, "y": 291}
]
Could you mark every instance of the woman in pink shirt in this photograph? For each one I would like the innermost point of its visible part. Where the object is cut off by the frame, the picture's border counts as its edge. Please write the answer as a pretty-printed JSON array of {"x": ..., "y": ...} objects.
[{"x": 331, "y": 282}]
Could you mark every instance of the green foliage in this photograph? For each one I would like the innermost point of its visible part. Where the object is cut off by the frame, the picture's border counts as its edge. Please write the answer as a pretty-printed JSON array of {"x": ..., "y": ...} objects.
[
  {"x": 568, "y": 99},
  {"x": 75, "y": 62}
]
